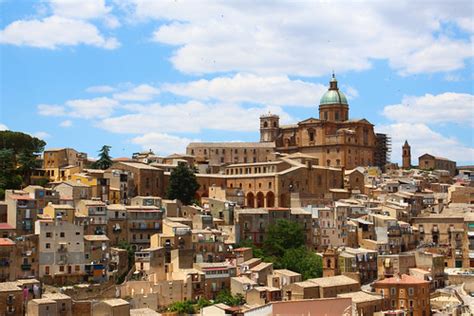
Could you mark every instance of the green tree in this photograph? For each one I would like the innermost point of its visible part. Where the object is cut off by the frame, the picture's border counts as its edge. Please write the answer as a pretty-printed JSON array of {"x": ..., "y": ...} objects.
[
  {"x": 281, "y": 236},
  {"x": 303, "y": 261},
  {"x": 202, "y": 302},
  {"x": 183, "y": 184},
  {"x": 182, "y": 308},
  {"x": 104, "y": 161},
  {"x": 19, "y": 142},
  {"x": 18, "y": 153},
  {"x": 27, "y": 163},
  {"x": 9, "y": 179},
  {"x": 227, "y": 298}
]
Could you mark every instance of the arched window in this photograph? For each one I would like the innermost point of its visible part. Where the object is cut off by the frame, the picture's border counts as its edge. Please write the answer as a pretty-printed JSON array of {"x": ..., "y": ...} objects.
[{"x": 265, "y": 124}]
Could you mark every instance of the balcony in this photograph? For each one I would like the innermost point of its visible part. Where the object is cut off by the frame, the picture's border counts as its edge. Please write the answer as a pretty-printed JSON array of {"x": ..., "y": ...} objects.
[{"x": 26, "y": 267}]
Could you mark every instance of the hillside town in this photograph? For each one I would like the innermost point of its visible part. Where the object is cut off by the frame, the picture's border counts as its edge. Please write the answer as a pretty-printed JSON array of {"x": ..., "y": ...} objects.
[{"x": 313, "y": 217}]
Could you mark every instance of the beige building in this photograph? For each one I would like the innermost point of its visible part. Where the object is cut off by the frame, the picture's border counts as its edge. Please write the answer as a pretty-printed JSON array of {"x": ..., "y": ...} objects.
[
  {"x": 332, "y": 286},
  {"x": 461, "y": 194},
  {"x": 22, "y": 211},
  {"x": 42, "y": 306},
  {"x": 61, "y": 250},
  {"x": 73, "y": 191},
  {"x": 364, "y": 303},
  {"x": 112, "y": 307}
]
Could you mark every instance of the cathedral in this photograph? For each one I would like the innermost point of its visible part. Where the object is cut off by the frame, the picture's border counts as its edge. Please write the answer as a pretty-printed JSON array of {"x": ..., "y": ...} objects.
[{"x": 333, "y": 139}]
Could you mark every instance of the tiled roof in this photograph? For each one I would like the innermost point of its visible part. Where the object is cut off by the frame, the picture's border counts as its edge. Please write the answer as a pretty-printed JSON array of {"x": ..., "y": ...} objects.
[
  {"x": 6, "y": 226},
  {"x": 6, "y": 242},
  {"x": 338, "y": 280},
  {"x": 404, "y": 279}
]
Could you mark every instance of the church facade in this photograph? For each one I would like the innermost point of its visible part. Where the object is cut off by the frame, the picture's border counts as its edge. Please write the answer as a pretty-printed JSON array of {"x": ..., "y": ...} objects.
[{"x": 333, "y": 139}]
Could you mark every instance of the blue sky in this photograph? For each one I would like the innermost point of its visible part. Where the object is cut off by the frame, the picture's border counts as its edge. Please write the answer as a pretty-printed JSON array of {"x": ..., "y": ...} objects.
[{"x": 158, "y": 74}]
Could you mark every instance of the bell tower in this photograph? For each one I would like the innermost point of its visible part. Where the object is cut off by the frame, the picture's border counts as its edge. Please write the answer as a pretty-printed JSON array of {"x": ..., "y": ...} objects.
[
  {"x": 406, "y": 156},
  {"x": 330, "y": 258},
  {"x": 269, "y": 126}
]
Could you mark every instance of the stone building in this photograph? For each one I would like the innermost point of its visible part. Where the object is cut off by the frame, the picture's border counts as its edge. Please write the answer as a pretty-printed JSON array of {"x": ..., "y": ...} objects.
[
  {"x": 134, "y": 178},
  {"x": 332, "y": 139},
  {"x": 270, "y": 184},
  {"x": 430, "y": 162}
]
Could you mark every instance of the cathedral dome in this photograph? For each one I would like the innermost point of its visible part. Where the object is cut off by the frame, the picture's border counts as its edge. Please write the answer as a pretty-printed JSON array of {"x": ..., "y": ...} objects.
[{"x": 333, "y": 95}]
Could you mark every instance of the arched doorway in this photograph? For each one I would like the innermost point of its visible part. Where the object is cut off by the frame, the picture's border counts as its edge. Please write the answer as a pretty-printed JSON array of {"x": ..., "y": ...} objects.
[
  {"x": 270, "y": 199},
  {"x": 260, "y": 199},
  {"x": 250, "y": 200}
]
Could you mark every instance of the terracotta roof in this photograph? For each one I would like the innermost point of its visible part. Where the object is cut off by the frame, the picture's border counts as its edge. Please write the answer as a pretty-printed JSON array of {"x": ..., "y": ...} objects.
[
  {"x": 137, "y": 165},
  {"x": 404, "y": 279},
  {"x": 20, "y": 197},
  {"x": 6, "y": 242},
  {"x": 6, "y": 226}
]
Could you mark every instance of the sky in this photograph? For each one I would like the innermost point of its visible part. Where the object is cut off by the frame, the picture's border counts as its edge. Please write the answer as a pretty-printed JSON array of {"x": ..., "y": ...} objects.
[{"x": 142, "y": 74}]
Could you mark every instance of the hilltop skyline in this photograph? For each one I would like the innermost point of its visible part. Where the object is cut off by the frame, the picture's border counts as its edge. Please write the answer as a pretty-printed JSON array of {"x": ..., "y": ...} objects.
[{"x": 143, "y": 75}]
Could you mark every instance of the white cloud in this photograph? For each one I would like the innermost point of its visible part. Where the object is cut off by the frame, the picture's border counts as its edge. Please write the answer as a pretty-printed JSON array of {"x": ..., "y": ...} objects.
[
  {"x": 3, "y": 127},
  {"x": 92, "y": 108},
  {"x": 100, "y": 89},
  {"x": 53, "y": 32},
  {"x": 311, "y": 38},
  {"x": 83, "y": 108},
  {"x": 81, "y": 9},
  {"x": 41, "y": 135},
  {"x": 51, "y": 110},
  {"x": 66, "y": 123},
  {"x": 432, "y": 109},
  {"x": 270, "y": 90},
  {"x": 162, "y": 143},
  {"x": 143, "y": 92},
  {"x": 423, "y": 139},
  {"x": 192, "y": 117}
]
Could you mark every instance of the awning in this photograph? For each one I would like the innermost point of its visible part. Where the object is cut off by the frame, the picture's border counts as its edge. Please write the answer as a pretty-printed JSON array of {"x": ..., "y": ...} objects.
[{"x": 470, "y": 234}]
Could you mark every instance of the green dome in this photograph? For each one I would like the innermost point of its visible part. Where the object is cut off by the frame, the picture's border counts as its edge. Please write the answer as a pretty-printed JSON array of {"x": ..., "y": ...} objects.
[{"x": 333, "y": 95}]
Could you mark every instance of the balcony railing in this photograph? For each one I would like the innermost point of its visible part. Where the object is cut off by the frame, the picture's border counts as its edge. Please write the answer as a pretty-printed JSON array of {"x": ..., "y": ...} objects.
[{"x": 26, "y": 267}]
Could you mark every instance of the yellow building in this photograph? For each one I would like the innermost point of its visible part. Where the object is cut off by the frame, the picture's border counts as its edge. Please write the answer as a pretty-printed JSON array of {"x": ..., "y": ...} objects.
[{"x": 64, "y": 212}]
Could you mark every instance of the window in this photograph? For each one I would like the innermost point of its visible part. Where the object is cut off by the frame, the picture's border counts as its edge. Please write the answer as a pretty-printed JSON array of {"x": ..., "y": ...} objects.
[
  {"x": 411, "y": 291},
  {"x": 48, "y": 235},
  {"x": 62, "y": 235},
  {"x": 46, "y": 270},
  {"x": 393, "y": 291},
  {"x": 61, "y": 268},
  {"x": 48, "y": 245}
]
